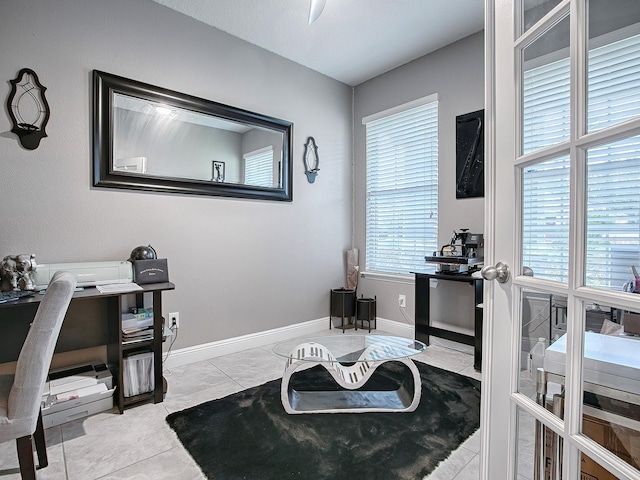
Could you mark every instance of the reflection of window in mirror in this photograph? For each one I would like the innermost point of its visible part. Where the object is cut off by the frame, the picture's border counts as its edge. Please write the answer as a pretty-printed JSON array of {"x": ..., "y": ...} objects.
[{"x": 258, "y": 167}]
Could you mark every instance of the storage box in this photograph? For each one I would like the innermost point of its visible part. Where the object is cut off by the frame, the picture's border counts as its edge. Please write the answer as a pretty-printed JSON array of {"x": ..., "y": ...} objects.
[
  {"x": 622, "y": 440},
  {"x": 150, "y": 271},
  {"x": 72, "y": 380},
  {"x": 77, "y": 376},
  {"x": 631, "y": 323},
  {"x": 63, "y": 412}
]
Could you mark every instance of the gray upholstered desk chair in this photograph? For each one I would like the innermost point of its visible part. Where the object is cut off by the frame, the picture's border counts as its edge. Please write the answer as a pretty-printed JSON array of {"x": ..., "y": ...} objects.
[{"x": 21, "y": 394}]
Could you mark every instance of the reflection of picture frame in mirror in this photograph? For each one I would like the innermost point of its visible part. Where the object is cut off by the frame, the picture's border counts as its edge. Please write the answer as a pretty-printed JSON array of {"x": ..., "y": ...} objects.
[{"x": 217, "y": 171}]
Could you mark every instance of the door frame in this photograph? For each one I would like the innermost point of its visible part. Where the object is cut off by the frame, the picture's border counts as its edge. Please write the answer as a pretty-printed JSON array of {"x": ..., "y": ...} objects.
[
  {"x": 499, "y": 397},
  {"x": 493, "y": 427}
]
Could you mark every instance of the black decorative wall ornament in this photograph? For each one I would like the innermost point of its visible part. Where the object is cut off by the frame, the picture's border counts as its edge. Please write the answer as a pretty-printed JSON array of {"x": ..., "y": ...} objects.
[
  {"x": 28, "y": 109},
  {"x": 311, "y": 160},
  {"x": 470, "y": 155}
]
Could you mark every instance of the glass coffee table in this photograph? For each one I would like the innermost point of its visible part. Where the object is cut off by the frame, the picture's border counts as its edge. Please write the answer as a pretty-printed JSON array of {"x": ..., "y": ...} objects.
[{"x": 351, "y": 360}]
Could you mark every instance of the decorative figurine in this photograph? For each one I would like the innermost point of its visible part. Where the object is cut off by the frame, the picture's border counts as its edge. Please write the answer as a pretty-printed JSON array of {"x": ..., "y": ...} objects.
[{"x": 18, "y": 272}]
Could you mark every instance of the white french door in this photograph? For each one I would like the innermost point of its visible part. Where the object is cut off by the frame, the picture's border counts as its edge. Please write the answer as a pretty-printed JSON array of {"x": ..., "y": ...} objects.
[{"x": 561, "y": 373}]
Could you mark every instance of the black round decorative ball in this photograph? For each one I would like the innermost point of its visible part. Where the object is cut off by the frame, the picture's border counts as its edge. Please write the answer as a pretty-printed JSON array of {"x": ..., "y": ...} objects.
[{"x": 142, "y": 253}]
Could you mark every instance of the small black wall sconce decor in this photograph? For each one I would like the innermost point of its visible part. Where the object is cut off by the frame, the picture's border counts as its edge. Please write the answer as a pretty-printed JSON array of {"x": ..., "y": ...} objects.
[
  {"x": 311, "y": 160},
  {"x": 28, "y": 109}
]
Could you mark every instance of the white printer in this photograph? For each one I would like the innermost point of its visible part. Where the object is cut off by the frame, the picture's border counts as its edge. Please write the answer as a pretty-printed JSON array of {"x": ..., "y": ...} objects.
[
  {"x": 76, "y": 392},
  {"x": 88, "y": 274}
]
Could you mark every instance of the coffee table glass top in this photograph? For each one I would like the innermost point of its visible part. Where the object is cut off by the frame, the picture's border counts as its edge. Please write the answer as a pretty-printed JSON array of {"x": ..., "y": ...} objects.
[{"x": 348, "y": 348}]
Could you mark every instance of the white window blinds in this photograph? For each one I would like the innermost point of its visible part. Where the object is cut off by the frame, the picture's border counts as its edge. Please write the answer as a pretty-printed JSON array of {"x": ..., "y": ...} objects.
[
  {"x": 613, "y": 170},
  {"x": 546, "y": 109},
  {"x": 613, "y": 213},
  {"x": 402, "y": 188},
  {"x": 614, "y": 83},
  {"x": 258, "y": 168},
  {"x": 545, "y": 219}
]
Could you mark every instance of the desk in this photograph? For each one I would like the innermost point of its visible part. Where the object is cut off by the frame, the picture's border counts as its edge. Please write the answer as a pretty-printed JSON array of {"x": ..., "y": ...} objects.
[
  {"x": 93, "y": 319},
  {"x": 423, "y": 316}
]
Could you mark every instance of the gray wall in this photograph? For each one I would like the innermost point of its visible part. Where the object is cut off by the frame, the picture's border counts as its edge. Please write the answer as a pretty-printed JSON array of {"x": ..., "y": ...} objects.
[
  {"x": 239, "y": 266},
  {"x": 176, "y": 148},
  {"x": 456, "y": 74}
]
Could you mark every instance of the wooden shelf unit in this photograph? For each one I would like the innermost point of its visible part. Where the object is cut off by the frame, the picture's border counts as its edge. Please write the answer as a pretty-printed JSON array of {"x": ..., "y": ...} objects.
[{"x": 93, "y": 319}]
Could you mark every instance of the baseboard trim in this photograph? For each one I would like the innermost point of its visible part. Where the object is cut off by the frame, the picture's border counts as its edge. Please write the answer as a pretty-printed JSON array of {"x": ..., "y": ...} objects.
[
  {"x": 400, "y": 329},
  {"x": 205, "y": 351}
]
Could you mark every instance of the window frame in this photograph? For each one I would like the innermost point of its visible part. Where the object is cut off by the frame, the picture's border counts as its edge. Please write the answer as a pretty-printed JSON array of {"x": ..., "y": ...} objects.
[{"x": 428, "y": 107}]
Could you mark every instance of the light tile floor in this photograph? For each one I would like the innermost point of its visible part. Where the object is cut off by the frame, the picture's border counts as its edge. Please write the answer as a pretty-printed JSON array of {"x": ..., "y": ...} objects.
[{"x": 139, "y": 444}]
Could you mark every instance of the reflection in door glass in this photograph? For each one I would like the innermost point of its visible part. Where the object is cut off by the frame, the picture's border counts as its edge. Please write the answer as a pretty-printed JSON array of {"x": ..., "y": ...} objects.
[
  {"x": 611, "y": 384},
  {"x": 613, "y": 215},
  {"x": 534, "y": 10},
  {"x": 544, "y": 320},
  {"x": 545, "y": 219},
  {"x": 545, "y": 89},
  {"x": 539, "y": 450},
  {"x": 613, "y": 72}
]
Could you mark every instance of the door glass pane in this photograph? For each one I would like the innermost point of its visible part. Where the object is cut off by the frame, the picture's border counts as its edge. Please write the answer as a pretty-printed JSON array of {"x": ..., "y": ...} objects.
[
  {"x": 539, "y": 449},
  {"x": 613, "y": 73},
  {"x": 611, "y": 381},
  {"x": 613, "y": 215},
  {"x": 545, "y": 219},
  {"x": 545, "y": 89},
  {"x": 544, "y": 320},
  {"x": 534, "y": 10}
]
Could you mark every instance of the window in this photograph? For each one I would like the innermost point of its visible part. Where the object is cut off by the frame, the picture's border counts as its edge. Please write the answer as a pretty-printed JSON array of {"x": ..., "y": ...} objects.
[
  {"x": 402, "y": 186},
  {"x": 613, "y": 170},
  {"x": 258, "y": 168}
]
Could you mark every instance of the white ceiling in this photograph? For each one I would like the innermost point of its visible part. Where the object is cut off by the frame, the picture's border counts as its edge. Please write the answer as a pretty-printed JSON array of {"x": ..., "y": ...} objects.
[{"x": 352, "y": 40}]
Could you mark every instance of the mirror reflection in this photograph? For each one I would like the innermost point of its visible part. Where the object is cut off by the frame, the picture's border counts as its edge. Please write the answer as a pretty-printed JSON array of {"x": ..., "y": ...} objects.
[{"x": 152, "y": 138}]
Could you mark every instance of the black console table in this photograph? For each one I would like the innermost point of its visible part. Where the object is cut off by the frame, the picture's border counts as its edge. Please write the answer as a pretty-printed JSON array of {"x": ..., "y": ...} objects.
[{"x": 423, "y": 319}]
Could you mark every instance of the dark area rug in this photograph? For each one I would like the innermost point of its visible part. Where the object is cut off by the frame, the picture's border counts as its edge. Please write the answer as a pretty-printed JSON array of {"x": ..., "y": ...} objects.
[{"x": 248, "y": 435}]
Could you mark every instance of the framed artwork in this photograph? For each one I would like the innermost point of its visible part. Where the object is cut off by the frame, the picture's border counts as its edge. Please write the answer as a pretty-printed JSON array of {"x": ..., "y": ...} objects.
[
  {"x": 217, "y": 173},
  {"x": 470, "y": 155}
]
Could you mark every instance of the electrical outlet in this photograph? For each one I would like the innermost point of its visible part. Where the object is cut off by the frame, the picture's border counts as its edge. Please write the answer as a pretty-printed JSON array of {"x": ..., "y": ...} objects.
[
  {"x": 402, "y": 301},
  {"x": 174, "y": 319}
]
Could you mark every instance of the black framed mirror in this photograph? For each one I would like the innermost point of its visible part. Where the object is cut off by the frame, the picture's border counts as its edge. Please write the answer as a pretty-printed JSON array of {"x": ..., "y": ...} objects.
[{"x": 154, "y": 139}]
